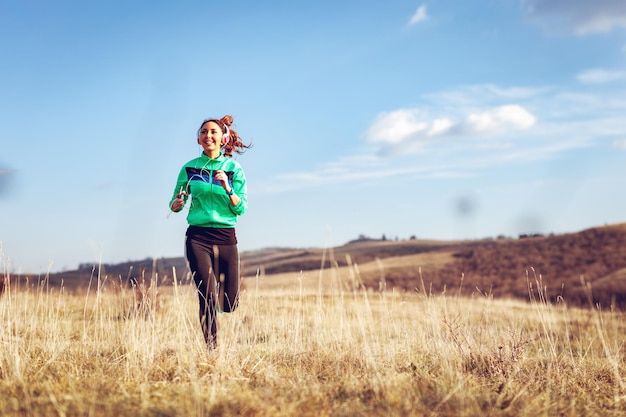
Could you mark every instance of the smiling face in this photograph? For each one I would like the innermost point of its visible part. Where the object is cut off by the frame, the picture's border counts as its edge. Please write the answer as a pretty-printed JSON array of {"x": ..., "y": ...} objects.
[{"x": 210, "y": 138}]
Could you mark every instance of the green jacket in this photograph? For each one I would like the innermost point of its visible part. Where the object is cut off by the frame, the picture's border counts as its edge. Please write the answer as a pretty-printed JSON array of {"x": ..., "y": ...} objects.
[{"x": 210, "y": 205}]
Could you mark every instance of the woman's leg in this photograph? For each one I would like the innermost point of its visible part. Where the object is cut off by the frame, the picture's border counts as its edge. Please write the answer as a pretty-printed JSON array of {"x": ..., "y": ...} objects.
[
  {"x": 229, "y": 267},
  {"x": 201, "y": 260}
]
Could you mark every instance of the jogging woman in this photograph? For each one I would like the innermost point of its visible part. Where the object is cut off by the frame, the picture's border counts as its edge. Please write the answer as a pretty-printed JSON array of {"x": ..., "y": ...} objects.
[{"x": 216, "y": 185}]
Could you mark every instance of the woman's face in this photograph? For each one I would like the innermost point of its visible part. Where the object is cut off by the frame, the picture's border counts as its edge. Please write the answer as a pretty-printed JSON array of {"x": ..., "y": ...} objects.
[{"x": 210, "y": 138}]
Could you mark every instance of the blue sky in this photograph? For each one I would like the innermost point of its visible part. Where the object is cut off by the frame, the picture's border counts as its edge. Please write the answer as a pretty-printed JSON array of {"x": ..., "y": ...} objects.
[{"x": 439, "y": 119}]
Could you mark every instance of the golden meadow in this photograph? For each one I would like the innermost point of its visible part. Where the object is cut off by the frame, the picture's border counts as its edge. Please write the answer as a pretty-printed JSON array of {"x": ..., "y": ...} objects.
[{"x": 307, "y": 344}]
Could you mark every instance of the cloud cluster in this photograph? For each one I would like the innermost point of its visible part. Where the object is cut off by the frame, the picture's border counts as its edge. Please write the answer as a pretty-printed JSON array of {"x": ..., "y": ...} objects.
[
  {"x": 459, "y": 132},
  {"x": 582, "y": 16},
  {"x": 413, "y": 126}
]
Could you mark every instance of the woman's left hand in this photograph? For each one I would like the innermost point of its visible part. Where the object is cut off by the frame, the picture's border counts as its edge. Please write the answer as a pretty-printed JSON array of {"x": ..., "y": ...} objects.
[
  {"x": 223, "y": 180},
  {"x": 221, "y": 177}
]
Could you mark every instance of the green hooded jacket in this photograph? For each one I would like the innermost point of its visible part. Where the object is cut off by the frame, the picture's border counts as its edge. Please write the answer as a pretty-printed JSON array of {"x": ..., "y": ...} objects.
[{"x": 210, "y": 205}]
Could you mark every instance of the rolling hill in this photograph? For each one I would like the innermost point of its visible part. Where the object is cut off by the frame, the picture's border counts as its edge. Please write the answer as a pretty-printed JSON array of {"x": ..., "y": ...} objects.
[{"x": 584, "y": 268}]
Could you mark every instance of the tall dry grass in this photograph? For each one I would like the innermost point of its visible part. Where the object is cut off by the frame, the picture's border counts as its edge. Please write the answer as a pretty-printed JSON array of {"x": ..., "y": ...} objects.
[{"x": 319, "y": 345}]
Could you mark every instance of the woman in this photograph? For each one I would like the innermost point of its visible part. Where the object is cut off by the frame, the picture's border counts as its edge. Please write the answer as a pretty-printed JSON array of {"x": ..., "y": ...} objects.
[{"x": 217, "y": 187}]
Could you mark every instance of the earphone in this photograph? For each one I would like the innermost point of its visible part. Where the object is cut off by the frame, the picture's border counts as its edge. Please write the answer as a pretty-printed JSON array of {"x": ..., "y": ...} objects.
[{"x": 226, "y": 136}]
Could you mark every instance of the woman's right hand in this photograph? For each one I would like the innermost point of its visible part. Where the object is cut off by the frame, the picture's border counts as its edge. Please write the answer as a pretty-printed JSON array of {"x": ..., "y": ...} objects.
[{"x": 179, "y": 201}]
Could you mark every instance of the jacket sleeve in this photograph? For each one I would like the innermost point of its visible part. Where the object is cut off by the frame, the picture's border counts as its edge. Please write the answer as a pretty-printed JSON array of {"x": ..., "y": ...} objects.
[
  {"x": 181, "y": 185},
  {"x": 240, "y": 188}
]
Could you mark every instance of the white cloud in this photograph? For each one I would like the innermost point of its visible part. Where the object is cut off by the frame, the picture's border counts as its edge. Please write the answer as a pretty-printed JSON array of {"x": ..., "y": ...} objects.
[
  {"x": 396, "y": 126},
  {"x": 440, "y": 127},
  {"x": 419, "y": 16},
  {"x": 599, "y": 76},
  {"x": 500, "y": 119},
  {"x": 414, "y": 125},
  {"x": 399, "y": 126},
  {"x": 581, "y": 16}
]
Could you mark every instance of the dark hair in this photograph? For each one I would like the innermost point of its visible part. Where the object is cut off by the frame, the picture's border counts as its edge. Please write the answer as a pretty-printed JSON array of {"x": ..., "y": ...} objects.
[{"x": 234, "y": 143}]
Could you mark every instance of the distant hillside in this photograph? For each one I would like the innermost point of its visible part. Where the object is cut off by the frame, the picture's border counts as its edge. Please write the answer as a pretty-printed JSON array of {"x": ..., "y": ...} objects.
[
  {"x": 563, "y": 265},
  {"x": 566, "y": 264},
  {"x": 277, "y": 260},
  {"x": 580, "y": 268}
]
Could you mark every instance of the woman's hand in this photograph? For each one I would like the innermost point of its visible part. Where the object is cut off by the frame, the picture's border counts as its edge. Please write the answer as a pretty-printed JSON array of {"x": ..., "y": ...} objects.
[
  {"x": 179, "y": 202},
  {"x": 223, "y": 179}
]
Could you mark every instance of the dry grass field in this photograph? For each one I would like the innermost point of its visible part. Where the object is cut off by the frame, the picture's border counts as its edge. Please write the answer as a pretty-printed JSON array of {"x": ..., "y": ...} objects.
[{"x": 307, "y": 344}]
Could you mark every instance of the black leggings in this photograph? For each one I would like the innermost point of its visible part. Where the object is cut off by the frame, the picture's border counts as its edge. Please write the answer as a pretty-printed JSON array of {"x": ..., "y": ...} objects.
[{"x": 215, "y": 270}]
